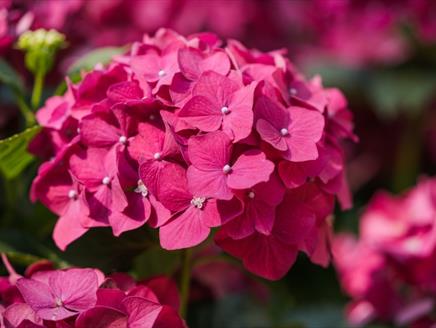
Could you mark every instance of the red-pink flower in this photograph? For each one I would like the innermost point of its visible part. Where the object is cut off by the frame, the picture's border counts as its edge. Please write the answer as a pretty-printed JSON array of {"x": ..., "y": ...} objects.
[
  {"x": 293, "y": 131},
  {"x": 220, "y": 102},
  {"x": 214, "y": 173},
  {"x": 56, "y": 295}
]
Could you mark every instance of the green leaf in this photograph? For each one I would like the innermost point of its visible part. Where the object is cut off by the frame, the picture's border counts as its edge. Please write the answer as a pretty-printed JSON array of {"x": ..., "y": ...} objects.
[
  {"x": 14, "y": 157},
  {"x": 156, "y": 261},
  {"x": 100, "y": 55},
  {"x": 10, "y": 77}
]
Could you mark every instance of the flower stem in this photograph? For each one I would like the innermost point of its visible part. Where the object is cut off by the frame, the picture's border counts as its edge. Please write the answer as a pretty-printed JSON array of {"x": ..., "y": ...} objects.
[
  {"x": 29, "y": 117},
  {"x": 37, "y": 89},
  {"x": 185, "y": 281}
]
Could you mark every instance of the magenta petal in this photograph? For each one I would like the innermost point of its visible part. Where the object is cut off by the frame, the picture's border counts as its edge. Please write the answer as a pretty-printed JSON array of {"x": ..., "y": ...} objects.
[
  {"x": 101, "y": 317},
  {"x": 38, "y": 296},
  {"x": 272, "y": 111},
  {"x": 210, "y": 151},
  {"x": 239, "y": 121},
  {"x": 264, "y": 217},
  {"x": 124, "y": 91},
  {"x": 76, "y": 288},
  {"x": 166, "y": 290},
  {"x": 167, "y": 182},
  {"x": 142, "y": 313},
  {"x": 201, "y": 113},
  {"x": 249, "y": 169},
  {"x": 215, "y": 87},
  {"x": 133, "y": 217},
  {"x": 96, "y": 132},
  {"x": 109, "y": 297},
  {"x": 168, "y": 318},
  {"x": 208, "y": 183},
  {"x": 16, "y": 313},
  {"x": 305, "y": 130},
  {"x": 67, "y": 230},
  {"x": 184, "y": 231},
  {"x": 218, "y": 62},
  {"x": 271, "y": 135},
  {"x": 88, "y": 166}
]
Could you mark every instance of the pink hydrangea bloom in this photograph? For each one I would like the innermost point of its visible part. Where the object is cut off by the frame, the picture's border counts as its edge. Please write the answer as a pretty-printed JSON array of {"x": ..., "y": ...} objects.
[
  {"x": 389, "y": 271},
  {"x": 84, "y": 298},
  {"x": 186, "y": 135}
]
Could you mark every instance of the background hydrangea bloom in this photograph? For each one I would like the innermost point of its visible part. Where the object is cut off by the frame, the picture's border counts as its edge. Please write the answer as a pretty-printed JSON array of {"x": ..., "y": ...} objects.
[{"x": 389, "y": 270}]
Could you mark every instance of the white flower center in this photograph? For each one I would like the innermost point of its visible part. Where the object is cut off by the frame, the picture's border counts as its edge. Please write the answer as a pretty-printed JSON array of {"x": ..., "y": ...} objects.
[
  {"x": 156, "y": 155},
  {"x": 227, "y": 168},
  {"x": 106, "y": 180},
  {"x": 292, "y": 91},
  {"x": 58, "y": 302},
  {"x": 141, "y": 189},
  {"x": 198, "y": 202},
  {"x": 152, "y": 117},
  {"x": 123, "y": 140},
  {"x": 72, "y": 194},
  {"x": 284, "y": 132},
  {"x": 251, "y": 194},
  {"x": 161, "y": 73},
  {"x": 78, "y": 130},
  {"x": 225, "y": 110}
]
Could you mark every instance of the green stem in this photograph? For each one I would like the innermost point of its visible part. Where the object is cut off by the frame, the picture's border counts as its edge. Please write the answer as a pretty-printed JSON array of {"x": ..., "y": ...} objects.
[
  {"x": 25, "y": 111},
  {"x": 185, "y": 281},
  {"x": 37, "y": 89}
]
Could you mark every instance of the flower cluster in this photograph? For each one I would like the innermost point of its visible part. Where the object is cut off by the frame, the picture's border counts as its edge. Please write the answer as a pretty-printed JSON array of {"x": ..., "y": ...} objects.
[
  {"x": 186, "y": 135},
  {"x": 389, "y": 271},
  {"x": 83, "y": 298}
]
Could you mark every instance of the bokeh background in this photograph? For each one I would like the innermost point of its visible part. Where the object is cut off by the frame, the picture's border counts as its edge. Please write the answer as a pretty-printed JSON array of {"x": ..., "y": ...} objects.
[{"x": 380, "y": 53}]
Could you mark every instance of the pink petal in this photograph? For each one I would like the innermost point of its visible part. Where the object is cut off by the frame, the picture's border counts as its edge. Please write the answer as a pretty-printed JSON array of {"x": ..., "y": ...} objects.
[
  {"x": 305, "y": 130},
  {"x": 239, "y": 121},
  {"x": 142, "y": 313},
  {"x": 112, "y": 298},
  {"x": 218, "y": 62},
  {"x": 271, "y": 111},
  {"x": 16, "y": 313},
  {"x": 184, "y": 231},
  {"x": 202, "y": 113},
  {"x": 166, "y": 291},
  {"x": 76, "y": 288},
  {"x": 88, "y": 167},
  {"x": 208, "y": 183},
  {"x": 101, "y": 317},
  {"x": 124, "y": 91},
  {"x": 38, "y": 296},
  {"x": 134, "y": 216},
  {"x": 97, "y": 132},
  {"x": 167, "y": 182},
  {"x": 249, "y": 169},
  {"x": 168, "y": 318},
  {"x": 67, "y": 230},
  {"x": 210, "y": 151},
  {"x": 215, "y": 87},
  {"x": 271, "y": 135}
]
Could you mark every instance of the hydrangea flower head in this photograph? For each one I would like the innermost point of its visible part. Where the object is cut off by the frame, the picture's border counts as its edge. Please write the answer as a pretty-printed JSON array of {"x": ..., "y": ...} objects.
[{"x": 187, "y": 135}]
